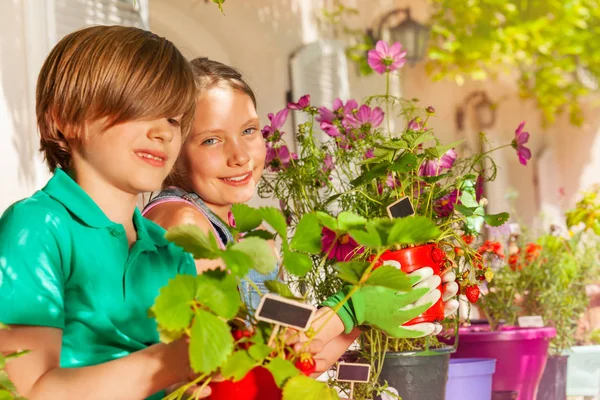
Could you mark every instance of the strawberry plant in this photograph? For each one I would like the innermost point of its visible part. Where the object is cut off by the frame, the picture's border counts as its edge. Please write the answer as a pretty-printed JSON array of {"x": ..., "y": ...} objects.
[
  {"x": 8, "y": 391},
  {"x": 225, "y": 336}
]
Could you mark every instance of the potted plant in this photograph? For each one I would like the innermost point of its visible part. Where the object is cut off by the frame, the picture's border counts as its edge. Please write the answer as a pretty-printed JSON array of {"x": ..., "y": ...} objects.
[
  {"x": 226, "y": 337},
  {"x": 351, "y": 159},
  {"x": 545, "y": 278}
]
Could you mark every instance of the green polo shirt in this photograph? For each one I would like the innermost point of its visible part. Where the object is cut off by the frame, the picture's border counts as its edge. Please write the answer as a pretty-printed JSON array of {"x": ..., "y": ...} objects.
[{"x": 64, "y": 264}]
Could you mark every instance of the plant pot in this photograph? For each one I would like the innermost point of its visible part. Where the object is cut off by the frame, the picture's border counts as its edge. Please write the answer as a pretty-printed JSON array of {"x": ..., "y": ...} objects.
[
  {"x": 414, "y": 258},
  {"x": 417, "y": 377},
  {"x": 583, "y": 371},
  {"x": 470, "y": 379},
  {"x": 553, "y": 385},
  {"x": 520, "y": 355}
]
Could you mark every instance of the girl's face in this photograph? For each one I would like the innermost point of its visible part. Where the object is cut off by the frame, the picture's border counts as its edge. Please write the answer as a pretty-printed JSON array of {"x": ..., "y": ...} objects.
[
  {"x": 225, "y": 154},
  {"x": 133, "y": 157}
]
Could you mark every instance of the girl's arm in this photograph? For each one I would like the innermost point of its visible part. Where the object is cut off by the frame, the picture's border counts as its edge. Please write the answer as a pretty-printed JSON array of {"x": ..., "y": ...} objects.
[
  {"x": 172, "y": 214},
  {"x": 37, "y": 375}
]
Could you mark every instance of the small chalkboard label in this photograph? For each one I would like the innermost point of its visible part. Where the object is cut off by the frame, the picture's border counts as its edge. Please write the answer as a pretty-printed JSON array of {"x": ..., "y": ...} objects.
[
  {"x": 285, "y": 312},
  {"x": 401, "y": 208},
  {"x": 352, "y": 372},
  {"x": 531, "y": 321}
]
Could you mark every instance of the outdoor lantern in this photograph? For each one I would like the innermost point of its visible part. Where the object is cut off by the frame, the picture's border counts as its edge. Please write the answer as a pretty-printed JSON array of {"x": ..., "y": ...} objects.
[{"x": 411, "y": 34}]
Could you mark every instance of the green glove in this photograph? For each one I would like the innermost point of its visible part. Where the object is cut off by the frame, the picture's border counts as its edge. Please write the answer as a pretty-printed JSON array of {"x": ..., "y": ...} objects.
[{"x": 384, "y": 308}]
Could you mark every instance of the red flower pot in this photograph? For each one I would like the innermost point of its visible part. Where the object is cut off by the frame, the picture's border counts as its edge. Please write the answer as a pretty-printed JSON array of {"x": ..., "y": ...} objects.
[
  {"x": 414, "y": 258},
  {"x": 258, "y": 384}
]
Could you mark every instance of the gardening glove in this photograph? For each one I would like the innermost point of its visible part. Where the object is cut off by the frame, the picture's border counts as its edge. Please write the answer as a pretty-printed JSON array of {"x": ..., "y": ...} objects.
[
  {"x": 425, "y": 277},
  {"x": 388, "y": 309}
]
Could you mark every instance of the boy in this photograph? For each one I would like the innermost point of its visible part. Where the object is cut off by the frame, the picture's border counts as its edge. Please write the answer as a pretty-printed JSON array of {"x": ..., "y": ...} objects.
[{"x": 79, "y": 266}]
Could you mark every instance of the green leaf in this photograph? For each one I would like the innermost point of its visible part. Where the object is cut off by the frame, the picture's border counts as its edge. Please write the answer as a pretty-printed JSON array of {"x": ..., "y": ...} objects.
[
  {"x": 434, "y": 179},
  {"x": 260, "y": 233},
  {"x": 3, "y": 326},
  {"x": 422, "y": 138},
  {"x": 389, "y": 277},
  {"x": 441, "y": 150},
  {"x": 211, "y": 342},
  {"x": 307, "y": 237},
  {"x": 304, "y": 388},
  {"x": 259, "y": 351},
  {"x": 348, "y": 220},
  {"x": 466, "y": 211},
  {"x": 405, "y": 163},
  {"x": 219, "y": 4},
  {"x": 217, "y": 290},
  {"x": 327, "y": 220},
  {"x": 193, "y": 240},
  {"x": 238, "y": 262},
  {"x": 238, "y": 365},
  {"x": 369, "y": 238},
  {"x": 379, "y": 170},
  {"x": 351, "y": 271},
  {"x": 275, "y": 218},
  {"x": 282, "y": 370},
  {"x": 413, "y": 230},
  {"x": 6, "y": 395},
  {"x": 167, "y": 336},
  {"x": 496, "y": 219},
  {"x": 173, "y": 306},
  {"x": 246, "y": 217},
  {"x": 296, "y": 263},
  {"x": 281, "y": 289},
  {"x": 6, "y": 383},
  {"x": 2, "y": 361},
  {"x": 16, "y": 354},
  {"x": 261, "y": 253}
]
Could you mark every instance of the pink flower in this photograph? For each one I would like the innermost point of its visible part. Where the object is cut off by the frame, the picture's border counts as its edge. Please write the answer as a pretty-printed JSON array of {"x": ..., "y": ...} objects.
[
  {"x": 278, "y": 158},
  {"x": 366, "y": 118},
  {"x": 272, "y": 132},
  {"x": 434, "y": 167},
  {"x": 328, "y": 164},
  {"x": 415, "y": 124},
  {"x": 335, "y": 122},
  {"x": 519, "y": 142},
  {"x": 341, "y": 248},
  {"x": 302, "y": 103},
  {"x": 479, "y": 187},
  {"x": 445, "y": 205},
  {"x": 386, "y": 59},
  {"x": 370, "y": 154}
]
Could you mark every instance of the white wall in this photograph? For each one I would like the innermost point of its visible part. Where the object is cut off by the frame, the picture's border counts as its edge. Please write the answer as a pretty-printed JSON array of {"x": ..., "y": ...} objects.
[{"x": 22, "y": 48}]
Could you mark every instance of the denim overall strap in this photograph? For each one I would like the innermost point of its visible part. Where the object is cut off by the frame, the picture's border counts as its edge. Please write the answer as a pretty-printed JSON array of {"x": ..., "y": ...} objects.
[{"x": 248, "y": 293}]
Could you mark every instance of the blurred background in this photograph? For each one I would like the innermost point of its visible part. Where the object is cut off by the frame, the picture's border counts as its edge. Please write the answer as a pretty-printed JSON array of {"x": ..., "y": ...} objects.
[{"x": 483, "y": 65}]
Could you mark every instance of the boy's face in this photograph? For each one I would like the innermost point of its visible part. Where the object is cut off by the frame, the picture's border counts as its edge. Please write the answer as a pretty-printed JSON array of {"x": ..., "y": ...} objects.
[
  {"x": 134, "y": 156},
  {"x": 225, "y": 155}
]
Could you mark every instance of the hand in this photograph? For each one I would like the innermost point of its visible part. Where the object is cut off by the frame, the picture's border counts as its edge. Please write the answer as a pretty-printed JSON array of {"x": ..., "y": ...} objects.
[
  {"x": 425, "y": 278},
  {"x": 389, "y": 310},
  {"x": 298, "y": 341}
]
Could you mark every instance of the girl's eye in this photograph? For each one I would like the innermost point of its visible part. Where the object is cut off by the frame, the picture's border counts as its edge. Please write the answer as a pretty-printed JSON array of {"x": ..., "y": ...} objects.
[
  {"x": 174, "y": 121},
  {"x": 249, "y": 131},
  {"x": 210, "y": 142}
]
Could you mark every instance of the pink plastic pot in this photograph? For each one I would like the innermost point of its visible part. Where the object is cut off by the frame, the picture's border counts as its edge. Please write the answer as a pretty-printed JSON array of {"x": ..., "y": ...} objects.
[{"x": 520, "y": 355}]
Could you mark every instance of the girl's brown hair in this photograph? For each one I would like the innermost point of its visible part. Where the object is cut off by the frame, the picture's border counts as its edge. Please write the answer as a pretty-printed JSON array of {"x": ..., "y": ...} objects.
[
  {"x": 208, "y": 74},
  {"x": 114, "y": 72}
]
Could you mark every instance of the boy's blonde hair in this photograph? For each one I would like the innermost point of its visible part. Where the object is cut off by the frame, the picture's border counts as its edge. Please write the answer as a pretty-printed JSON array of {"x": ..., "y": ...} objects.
[
  {"x": 114, "y": 72},
  {"x": 208, "y": 74}
]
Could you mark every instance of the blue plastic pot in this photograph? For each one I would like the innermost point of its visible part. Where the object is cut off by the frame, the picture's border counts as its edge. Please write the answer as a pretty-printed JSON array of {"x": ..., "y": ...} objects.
[{"x": 470, "y": 379}]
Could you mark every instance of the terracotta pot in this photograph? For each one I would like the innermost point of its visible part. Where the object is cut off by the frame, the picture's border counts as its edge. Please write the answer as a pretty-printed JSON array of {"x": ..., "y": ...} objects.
[{"x": 414, "y": 258}]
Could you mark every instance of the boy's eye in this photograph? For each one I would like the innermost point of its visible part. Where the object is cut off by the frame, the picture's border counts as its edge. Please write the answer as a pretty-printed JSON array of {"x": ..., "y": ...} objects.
[
  {"x": 174, "y": 121},
  {"x": 249, "y": 131}
]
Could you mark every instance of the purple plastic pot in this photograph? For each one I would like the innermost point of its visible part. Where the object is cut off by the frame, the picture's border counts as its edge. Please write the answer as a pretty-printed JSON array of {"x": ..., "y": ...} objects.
[
  {"x": 520, "y": 355},
  {"x": 470, "y": 379}
]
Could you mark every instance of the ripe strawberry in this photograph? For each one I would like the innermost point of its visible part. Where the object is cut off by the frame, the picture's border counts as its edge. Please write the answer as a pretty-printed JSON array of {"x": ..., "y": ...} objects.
[
  {"x": 306, "y": 364},
  {"x": 472, "y": 293},
  {"x": 267, "y": 388},
  {"x": 239, "y": 334},
  {"x": 244, "y": 389},
  {"x": 438, "y": 255}
]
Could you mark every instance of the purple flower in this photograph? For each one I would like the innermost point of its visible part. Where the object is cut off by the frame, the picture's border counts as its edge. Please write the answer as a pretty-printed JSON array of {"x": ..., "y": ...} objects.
[
  {"x": 430, "y": 110},
  {"x": 370, "y": 154},
  {"x": 278, "y": 158},
  {"x": 445, "y": 205},
  {"x": 386, "y": 59},
  {"x": 301, "y": 104},
  {"x": 366, "y": 117},
  {"x": 334, "y": 122},
  {"x": 328, "y": 164},
  {"x": 434, "y": 167},
  {"x": 479, "y": 187},
  {"x": 272, "y": 132},
  {"x": 519, "y": 142},
  {"x": 416, "y": 124},
  {"x": 341, "y": 248}
]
